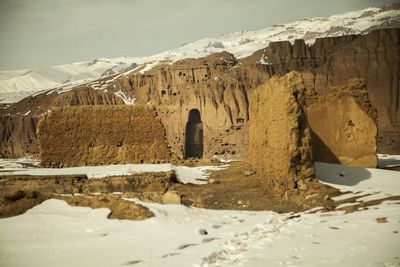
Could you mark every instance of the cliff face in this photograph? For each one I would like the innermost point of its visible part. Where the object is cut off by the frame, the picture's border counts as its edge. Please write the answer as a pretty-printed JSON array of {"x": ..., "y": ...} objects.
[
  {"x": 215, "y": 87},
  {"x": 279, "y": 134},
  {"x": 98, "y": 135},
  {"x": 330, "y": 62},
  {"x": 218, "y": 85},
  {"x": 343, "y": 126},
  {"x": 18, "y": 135}
]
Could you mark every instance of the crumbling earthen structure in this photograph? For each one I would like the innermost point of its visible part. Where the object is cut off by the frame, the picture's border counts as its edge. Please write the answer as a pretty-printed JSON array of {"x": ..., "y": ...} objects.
[
  {"x": 279, "y": 136},
  {"x": 96, "y": 135}
]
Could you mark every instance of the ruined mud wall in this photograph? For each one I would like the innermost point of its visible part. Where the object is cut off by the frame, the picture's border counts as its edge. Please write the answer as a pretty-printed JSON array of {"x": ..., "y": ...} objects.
[
  {"x": 279, "y": 136},
  {"x": 343, "y": 125},
  {"x": 96, "y": 135},
  {"x": 18, "y": 123}
]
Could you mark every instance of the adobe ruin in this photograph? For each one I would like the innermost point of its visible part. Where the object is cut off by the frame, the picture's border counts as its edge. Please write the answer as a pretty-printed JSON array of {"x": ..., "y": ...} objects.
[
  {"x": 279, "y": 136},
  {"x": 101, "y": 135}
]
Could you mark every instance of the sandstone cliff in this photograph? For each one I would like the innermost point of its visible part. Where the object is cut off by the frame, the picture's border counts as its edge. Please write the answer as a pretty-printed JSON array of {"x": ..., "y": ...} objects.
[
  {"x": 343, "y": 125},
  {"x": 279, "y": 147},
  {"x": 331, "y": 62},
  {"x": 97, "y": 135},
  {"x": 218, "y": 85}
]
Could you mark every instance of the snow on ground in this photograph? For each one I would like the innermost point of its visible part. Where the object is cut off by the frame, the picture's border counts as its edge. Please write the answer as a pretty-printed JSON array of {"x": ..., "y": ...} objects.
[
  {"x": 8, "y": 165},
  {"x": 55, "y": 234},
  {"x": 28, "y": 166},
  {"x": 354, "y": 180},
  {"x": 195, "y": 175},
  {"x": 386, "y": 160},
  {"x": 16, "y": 85},
  {"x": 333, "y": 239}
]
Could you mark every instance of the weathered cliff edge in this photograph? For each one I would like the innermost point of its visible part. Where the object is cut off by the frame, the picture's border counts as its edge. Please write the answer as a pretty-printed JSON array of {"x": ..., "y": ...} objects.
[
  {"x": 218, "y": 87},
  {"x": 101, "y": 135}
]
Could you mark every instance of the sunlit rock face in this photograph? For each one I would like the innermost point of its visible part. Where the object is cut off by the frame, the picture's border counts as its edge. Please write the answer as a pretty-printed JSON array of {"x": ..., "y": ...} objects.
[
  {"x": 344, "y": 126},
  {"x": 218, "y": 87}
]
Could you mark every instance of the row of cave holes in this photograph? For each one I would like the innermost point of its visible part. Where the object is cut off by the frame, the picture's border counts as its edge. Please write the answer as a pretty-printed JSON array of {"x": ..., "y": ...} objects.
[
  {"x": 164, "y": 92},
  {"x": 380, "y": 140},
  {"x": 182, "y": 74}
]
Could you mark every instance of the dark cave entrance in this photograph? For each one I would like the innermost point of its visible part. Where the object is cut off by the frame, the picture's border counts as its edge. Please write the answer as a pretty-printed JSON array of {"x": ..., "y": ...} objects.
[{"x": 194, "y": 135}]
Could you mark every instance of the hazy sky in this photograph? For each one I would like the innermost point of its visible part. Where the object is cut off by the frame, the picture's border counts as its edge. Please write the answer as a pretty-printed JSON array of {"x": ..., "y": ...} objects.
[{"x": 36, "y": 33}]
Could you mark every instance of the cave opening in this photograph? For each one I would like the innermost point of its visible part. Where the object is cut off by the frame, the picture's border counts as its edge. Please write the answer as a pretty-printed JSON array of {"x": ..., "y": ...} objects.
[{"x": 194, "y": 135}]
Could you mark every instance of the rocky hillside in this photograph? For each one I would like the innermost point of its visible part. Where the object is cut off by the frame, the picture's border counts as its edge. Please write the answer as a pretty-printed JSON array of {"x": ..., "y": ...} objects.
[
  {"x": 218, "y": 85},
  {"x": 15, "y": 85}
]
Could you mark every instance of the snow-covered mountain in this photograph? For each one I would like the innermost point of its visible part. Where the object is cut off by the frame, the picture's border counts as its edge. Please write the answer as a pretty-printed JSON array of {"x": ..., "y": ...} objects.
[{"x": 16, "y": 85}]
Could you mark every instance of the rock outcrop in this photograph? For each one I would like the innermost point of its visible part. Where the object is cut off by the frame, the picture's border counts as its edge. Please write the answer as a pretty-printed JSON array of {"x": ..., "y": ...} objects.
[
  {"x": 96, "y": 135},
  {"x": 18, "y": 135},
  {"x": 217, "y": 87},
  {"x": 279, "y": 137},
  {"x": 344, "y": 126},
  {"x": 214, "y": 87},
  {"x": 330, "y": 62}
]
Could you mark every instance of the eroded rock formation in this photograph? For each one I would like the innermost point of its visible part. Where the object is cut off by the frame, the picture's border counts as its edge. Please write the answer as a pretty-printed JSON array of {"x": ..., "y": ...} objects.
[
  {"x": 343, "y": 124},
  {"x": 279, "y": 137},
  {"x": 330, "y": 62},
  {"x": 218, "y": 87},
  {"x": 17, "y": 135},
  {"x": 96, "y": 135}
]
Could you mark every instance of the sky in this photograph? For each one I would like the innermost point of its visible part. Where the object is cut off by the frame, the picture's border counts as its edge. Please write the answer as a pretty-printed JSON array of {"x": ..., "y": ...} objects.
[{"x": 39, "y": 33}]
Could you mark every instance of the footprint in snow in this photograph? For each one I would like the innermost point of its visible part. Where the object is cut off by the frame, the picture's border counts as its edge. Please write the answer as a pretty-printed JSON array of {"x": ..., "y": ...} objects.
[
  {"x": 203, "y": 232},
  {"x": 207, "y": 240},
  {"x": 186, "y": 246},
  {"x": 216, "y": 226},
  {"x": 132, "y": 262},
  {"x": 170, "y": 255}
]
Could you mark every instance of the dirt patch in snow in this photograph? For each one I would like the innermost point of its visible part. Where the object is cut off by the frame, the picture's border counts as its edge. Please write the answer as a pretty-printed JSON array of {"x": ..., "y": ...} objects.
[
  {"x": 120, "y": 208},
  {"x": 20, "y": 193},
  {"x": 234, "y": 189}
]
